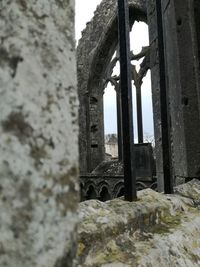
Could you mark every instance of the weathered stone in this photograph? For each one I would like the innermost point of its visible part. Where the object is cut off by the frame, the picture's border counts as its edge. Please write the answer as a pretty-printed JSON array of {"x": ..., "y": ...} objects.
[
  {"x": 155, "y": 85},
  {"x": 182, "y": 72},
  {"x": 38, "y": 134},
  {"x": 157, "y": 230}
]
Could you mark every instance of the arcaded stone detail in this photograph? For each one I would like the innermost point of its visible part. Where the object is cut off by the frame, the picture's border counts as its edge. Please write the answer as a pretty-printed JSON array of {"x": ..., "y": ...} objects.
[
  {"x": 156, "y": 231},
  {"x": 38, "y": 134}
]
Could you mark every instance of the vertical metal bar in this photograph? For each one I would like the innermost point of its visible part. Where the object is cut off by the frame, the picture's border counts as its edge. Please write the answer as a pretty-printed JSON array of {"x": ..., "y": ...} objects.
[
  {"x": 126, "y": 102},
  {"x": 139, "y": 115},
  {"x": 165, "y": 130},
  {"x": 119, "y": 125}
]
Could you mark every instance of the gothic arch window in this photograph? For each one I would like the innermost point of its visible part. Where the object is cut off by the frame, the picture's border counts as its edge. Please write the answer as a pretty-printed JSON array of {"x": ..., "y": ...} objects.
[
  {"x": 91, "y": 193},
  {"x": 94, "y": 56},
  {"x": 97, "y": 60},
  {"x": 104, "y": 194}
]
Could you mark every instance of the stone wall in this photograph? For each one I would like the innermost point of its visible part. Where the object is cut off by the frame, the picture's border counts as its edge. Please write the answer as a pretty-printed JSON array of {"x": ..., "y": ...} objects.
[
  {"x": 182, "y": 71},
  {"x": 39, "y": 189},
  {"x": 181, "y": 41},
  {"x": 111, "y": 145},
  {"x": 155, "y": 84},
  {"x": 112, "y": 149},
  {"x": 38, "y": 134},
  {"x": 156, "y": 231}
]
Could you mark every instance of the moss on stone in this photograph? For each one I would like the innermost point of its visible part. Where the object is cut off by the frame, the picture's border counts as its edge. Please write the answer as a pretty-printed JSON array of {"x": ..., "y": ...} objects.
[{"x": 157, "y": 229}]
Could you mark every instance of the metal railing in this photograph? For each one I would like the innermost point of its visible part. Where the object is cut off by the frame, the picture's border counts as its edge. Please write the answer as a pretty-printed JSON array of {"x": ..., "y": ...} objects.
[{"x": 126, "y": 104}]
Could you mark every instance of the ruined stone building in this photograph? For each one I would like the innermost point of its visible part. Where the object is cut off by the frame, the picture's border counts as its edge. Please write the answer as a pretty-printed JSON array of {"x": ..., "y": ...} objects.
[
  {"x": 40, "y": 130},
  {"x": 95, "y": 63},
  {"x": 111, "y": 145}
]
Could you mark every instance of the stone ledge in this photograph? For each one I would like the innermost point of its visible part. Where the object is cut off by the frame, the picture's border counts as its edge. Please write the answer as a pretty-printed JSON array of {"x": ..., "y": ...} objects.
[{"x": 118, "y": 233}]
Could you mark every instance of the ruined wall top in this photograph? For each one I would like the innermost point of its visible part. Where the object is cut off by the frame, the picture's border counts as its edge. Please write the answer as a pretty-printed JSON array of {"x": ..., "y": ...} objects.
[{"x": 157, "y": 230}]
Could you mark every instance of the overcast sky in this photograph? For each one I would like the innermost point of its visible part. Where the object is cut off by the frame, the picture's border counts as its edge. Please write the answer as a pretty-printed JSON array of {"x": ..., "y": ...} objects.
[{"x": 138, "y": 38}]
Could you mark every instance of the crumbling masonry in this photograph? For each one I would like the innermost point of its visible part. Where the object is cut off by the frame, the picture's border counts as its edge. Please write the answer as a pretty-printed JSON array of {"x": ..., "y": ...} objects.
[{"x": 39, "y": 186}]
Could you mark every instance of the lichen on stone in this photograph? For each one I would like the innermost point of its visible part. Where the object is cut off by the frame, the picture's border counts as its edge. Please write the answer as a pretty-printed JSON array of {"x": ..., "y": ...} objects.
[{"x": 156, "y": 231}]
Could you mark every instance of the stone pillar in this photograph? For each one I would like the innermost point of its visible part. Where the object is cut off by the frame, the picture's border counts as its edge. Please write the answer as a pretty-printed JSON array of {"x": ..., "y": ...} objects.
[
  {"x": 155, "y": 80},
  {"x": 196, "y": 10},
  {"x": 182, "y": 71},
  {"x": 96, "y": 146},
  {"x": 38, "y": 134}
]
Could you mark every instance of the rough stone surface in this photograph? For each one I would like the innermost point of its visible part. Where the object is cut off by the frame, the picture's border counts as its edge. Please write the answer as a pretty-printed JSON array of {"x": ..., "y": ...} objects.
[
  {"x": 181, "y": 42},
  {"x": 156, "y": 231},
  {"x": 38, "y": 134},
  {"x": 155, "y": 85},
  {"x": 182, "y": 72}
]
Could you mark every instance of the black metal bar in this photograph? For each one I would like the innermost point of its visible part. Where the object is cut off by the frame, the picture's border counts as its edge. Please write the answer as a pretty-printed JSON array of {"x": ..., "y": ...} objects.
[
  {"x": 119, "y": 125},
  {"x": 165, "y": 129},
  {"x": 126, "y": 102},
  {"x": 139, "y": 115}
]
